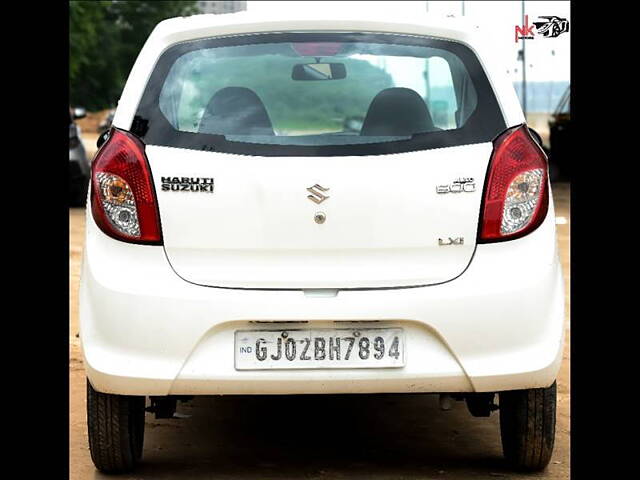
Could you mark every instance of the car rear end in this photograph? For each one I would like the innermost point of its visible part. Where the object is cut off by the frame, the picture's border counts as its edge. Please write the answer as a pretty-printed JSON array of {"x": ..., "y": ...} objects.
[{"x": 241, "y": 240}]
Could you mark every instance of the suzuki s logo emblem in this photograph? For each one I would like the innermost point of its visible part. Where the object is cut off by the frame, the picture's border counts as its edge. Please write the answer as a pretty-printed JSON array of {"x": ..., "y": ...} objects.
[{"x": 317, "y": 194}]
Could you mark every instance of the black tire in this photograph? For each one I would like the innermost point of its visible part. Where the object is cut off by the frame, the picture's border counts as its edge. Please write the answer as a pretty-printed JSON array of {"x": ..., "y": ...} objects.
[
  {"x": 528, "y": 426},
  {"x": 116, "y": 430}
]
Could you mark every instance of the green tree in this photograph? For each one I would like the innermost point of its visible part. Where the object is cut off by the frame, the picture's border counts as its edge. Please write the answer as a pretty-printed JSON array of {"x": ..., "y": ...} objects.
[
  {"x": 105, "y": 38},
  {"x": 85, "y": 19}
]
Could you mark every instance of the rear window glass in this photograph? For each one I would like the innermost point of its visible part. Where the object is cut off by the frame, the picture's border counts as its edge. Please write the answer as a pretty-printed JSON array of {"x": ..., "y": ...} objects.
[{"x": 318, "y": 94}]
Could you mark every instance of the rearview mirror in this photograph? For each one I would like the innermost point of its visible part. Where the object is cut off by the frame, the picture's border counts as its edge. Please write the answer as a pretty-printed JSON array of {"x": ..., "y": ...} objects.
[
  {"x": 319, "y": 71},
  {"x": 79, "y": 112}
]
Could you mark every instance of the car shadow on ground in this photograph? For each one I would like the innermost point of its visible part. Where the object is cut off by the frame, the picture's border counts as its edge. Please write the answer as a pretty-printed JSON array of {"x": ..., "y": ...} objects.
[{"x": 336, "y": 436}]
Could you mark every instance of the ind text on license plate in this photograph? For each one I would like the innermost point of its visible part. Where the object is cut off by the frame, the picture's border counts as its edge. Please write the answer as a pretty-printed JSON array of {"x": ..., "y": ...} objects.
[{"x": 319, "y": 348}]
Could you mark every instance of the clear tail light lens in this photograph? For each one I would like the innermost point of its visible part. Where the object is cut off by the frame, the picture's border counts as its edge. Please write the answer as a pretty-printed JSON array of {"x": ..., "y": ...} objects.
[
  {"x": 516, "y": 195},
  {"x": 123, "y": 200}
]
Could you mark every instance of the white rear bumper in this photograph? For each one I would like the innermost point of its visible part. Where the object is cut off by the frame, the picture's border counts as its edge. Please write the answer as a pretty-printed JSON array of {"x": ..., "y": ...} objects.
[{"x": 145, "y": 331}]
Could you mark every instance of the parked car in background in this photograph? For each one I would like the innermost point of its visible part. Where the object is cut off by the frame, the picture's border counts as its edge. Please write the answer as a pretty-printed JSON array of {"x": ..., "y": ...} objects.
[
  {"x": 105, "y": 124},
  {"x": 79, "y": 165},
  {"x": 249, "y": 234},
  {"x": 560, "y": 136}
]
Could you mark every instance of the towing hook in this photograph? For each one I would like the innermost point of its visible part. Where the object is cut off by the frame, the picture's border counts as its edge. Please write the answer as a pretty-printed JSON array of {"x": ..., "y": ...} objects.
[
  {"x": 163, "y": 407},
  {"x": 481, "y": 404}
]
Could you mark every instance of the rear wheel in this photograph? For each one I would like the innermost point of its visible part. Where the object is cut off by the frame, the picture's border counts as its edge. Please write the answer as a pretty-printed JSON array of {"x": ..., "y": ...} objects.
[
  {"x": 116, "y": 430},
  {"x": 527, "y": 426}
]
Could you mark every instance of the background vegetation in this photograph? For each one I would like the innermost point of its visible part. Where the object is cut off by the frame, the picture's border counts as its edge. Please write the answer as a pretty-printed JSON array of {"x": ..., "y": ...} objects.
[{"x": 104, "y": 40}]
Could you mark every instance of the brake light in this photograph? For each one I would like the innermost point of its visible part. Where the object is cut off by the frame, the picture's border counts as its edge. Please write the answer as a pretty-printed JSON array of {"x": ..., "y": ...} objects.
[
  {"x": 123, "y": 200},
  {"x": 318, "y": 49},
  {"x": 516, "y": 196}
]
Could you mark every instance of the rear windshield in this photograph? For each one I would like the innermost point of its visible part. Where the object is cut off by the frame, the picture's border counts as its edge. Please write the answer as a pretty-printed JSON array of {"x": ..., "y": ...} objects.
[{"x": 317, "y": 94}]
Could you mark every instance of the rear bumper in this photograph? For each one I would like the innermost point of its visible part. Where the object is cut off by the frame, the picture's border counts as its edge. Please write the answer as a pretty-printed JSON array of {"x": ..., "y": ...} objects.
[{"x": 499, "y": 326}]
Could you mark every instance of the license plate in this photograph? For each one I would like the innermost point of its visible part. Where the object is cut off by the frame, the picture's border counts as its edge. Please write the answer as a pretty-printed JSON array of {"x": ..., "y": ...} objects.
[{"x": 321, "y": 348}]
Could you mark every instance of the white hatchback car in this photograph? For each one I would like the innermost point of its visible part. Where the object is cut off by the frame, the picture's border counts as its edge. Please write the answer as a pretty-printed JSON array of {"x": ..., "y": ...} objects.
[{"x": 319, "y": 206}]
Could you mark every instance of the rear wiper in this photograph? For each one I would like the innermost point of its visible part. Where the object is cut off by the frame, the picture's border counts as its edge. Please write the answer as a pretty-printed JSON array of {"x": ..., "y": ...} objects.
[{"x": 212, "y": 141}]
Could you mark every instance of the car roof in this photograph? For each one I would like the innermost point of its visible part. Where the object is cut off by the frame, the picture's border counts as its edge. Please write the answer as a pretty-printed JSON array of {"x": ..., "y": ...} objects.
[{"x": 191, "y": 27}]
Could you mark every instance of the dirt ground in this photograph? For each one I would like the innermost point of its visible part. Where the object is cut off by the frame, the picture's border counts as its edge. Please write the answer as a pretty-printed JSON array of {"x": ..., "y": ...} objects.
[{"x": 372, "y": 436}]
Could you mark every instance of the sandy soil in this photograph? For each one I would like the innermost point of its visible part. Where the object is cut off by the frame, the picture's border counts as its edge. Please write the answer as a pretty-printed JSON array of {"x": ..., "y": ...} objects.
[{"x": 374, "y": 437}]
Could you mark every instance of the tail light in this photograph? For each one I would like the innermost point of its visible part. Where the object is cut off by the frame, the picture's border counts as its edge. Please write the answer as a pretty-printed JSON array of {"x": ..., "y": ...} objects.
[
  {"x": 123, "y": 200},
  {"x": 516, "y": 196}
]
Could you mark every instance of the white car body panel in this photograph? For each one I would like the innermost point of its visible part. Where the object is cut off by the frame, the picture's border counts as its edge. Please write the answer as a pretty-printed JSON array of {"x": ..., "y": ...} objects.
[
  {"x": 490, "y": 319},
  {"x": 145, "y": 331},
  {"x": 383, "y": 222}
]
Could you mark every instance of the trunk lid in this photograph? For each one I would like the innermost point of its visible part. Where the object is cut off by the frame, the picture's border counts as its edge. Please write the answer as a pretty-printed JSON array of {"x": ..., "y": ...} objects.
[{"x": 384, "y": 217}]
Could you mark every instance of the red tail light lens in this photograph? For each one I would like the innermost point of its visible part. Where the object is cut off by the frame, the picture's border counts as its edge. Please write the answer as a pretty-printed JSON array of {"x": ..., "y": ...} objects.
[
  {"x": 516, "y": 196},
  {"x": 123, "y": 200}
]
